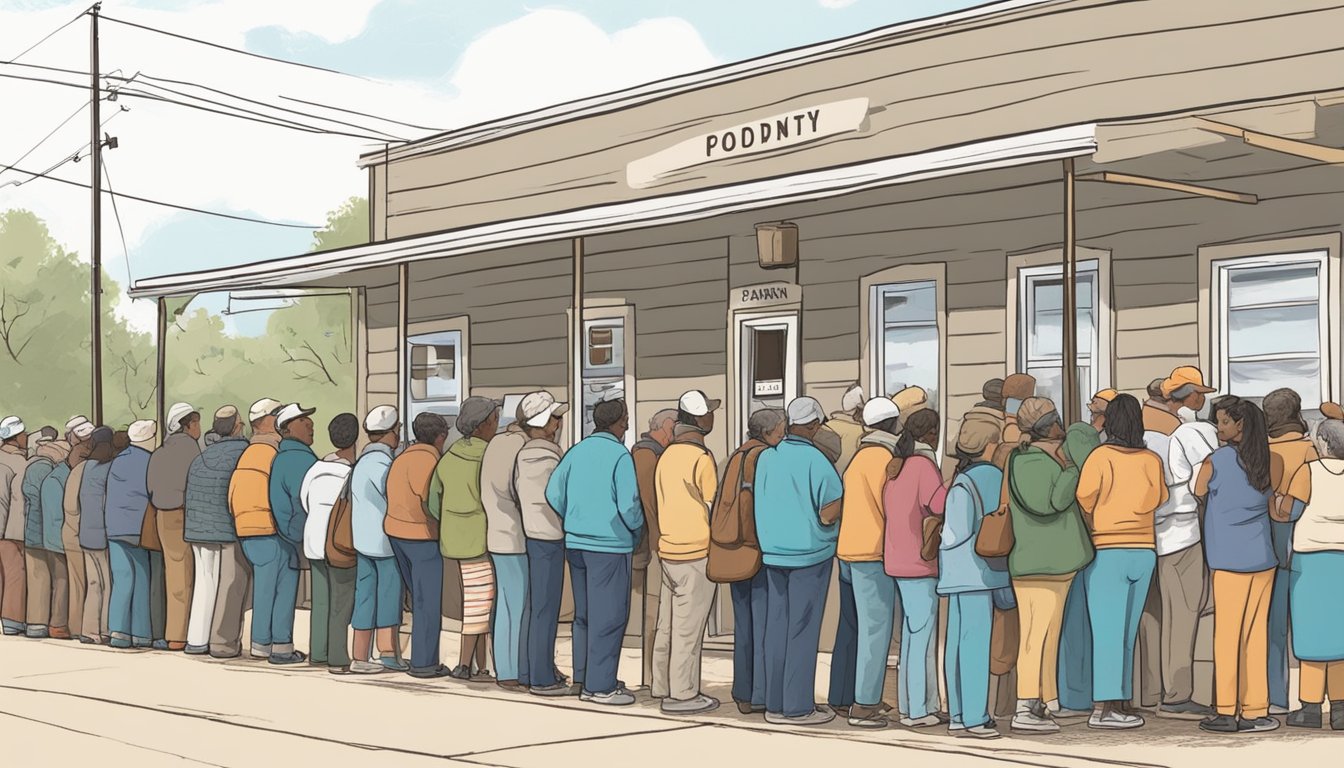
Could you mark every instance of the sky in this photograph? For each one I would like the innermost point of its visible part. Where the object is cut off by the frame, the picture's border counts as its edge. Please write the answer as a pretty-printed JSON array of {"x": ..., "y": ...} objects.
[{"x": 437, "y": 64}]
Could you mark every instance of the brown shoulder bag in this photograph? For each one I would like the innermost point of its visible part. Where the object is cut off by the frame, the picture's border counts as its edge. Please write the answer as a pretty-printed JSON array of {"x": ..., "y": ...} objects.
[{"x": 340, "y": 547}]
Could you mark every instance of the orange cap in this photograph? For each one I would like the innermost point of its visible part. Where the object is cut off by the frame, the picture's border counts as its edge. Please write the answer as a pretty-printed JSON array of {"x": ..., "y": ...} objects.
[
  {"x": 1105, "y": 396},
  {"x": 1186, "y": 374}
]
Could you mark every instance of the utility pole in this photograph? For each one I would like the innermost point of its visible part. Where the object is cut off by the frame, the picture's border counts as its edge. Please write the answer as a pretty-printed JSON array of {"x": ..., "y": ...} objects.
[{"x": 96, "y": 185}]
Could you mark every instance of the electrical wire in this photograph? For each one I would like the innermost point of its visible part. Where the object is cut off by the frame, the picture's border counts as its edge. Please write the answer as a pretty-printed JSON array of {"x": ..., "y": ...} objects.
[
  {"x": 50, "y": 35},
  {"x": 126, "y": 252},
  {"x": 44, "y": 139},
  {"x": 273, "y": 121},
  {"x": 76, "y": 156},
  {"x": 360, "y": 114}
]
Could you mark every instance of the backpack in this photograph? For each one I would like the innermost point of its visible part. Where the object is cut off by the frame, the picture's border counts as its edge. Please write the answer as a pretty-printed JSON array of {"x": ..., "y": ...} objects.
[{"x": 734, "y": 553}]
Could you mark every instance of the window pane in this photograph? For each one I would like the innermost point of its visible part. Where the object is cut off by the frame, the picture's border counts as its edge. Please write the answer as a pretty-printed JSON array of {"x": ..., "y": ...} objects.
[
  {"x": 1273, "y": 285},
  {"x": 1259, "y": 379},
  {"x": 605, "y": 356},
  {"x": 910, "y": 358},
  {"x": 1273, "y": 331},
  {"x": 1050, "y": 384},
  {"x": 768, "y": 350},
  {"x": 434, "y": 372},
  {"x": 909, "y": 303}
]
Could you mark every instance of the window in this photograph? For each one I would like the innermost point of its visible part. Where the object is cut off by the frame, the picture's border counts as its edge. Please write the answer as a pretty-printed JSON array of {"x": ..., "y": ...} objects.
[
  {"x": 906, "y": 354},
  {"x": 1271, "y": 326},
  {"x": 603, "y": 364},
  {"x": 436, "y": 374},
  {"x": 1040, "y": 328}
]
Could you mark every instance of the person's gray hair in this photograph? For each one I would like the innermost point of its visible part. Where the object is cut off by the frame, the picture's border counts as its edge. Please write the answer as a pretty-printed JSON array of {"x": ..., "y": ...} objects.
[
  {"x": 662, "y": 417},
  {"x": 763, "y": 421},
  {"x": 1331, "y": 436},
  {"x": 1181, "y": 392}
]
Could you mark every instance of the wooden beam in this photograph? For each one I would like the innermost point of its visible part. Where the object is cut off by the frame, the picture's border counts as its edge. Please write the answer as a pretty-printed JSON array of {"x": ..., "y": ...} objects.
[
  {"x": 1171, "y": 186},
  {"x": 1071, "y": 408},
  {"x": 1331, "y": 155},
  {"x": 403, "y": 347},
  {"x": 578, "y": 347},
  {"x": 160, "y": 369}
]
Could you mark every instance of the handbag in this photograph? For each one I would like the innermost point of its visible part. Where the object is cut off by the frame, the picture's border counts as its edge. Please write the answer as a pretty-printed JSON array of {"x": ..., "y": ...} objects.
[
  {"x": 149, "y": 530},
  {"x": 995, "y": 538},
  {"x": 933, "y": 538},
  {"x": 734, "y": 554},
  {"x": 340, "y": 545}
]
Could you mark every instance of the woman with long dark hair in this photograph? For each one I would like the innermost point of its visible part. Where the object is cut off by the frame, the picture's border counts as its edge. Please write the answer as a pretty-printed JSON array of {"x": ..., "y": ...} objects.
[
  {"x": 1119, "y": 490},
  {"x": 1238, "y": 546}
]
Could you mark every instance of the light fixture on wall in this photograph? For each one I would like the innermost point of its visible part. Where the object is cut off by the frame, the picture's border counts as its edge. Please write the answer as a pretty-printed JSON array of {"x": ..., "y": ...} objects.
[{"x": 777, "y": 245}]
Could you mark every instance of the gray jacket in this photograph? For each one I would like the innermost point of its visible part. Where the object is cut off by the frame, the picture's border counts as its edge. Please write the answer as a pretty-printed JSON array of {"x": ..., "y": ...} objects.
[
  {"x": 208, "y": 519},
  {"x": 536, "y": 461},
  {"x": 504, "y": 525},
  {"x": 168, "y": 471}
]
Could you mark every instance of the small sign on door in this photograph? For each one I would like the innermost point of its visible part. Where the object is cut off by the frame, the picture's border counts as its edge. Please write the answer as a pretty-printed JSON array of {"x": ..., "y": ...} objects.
[{"x": 772, "y": 388}]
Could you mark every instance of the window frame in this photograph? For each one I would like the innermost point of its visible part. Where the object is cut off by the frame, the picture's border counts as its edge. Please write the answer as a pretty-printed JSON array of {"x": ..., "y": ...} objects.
[
  {"x": 878, "y": 385},
  {"x": 1027, "y": 277},
  {"x": 599, "y": 312},
  {"x": 416, "y": 334}
]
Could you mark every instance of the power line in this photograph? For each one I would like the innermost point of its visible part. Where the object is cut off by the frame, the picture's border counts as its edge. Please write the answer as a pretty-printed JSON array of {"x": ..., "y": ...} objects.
[
  {"x": 75, "y": 156},
  {"x": 44, "y": 139},
  {"x": 49, "y": 35},
  {"x": 235, "y": 113},
  {"x": 360, "y": 114},
  {"x": 126, "y": 252}
]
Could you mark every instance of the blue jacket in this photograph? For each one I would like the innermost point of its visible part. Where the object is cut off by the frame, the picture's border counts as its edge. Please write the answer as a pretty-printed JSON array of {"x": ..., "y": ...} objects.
[
  {"x": 596, "y": 494},
  {"x": 33, "y": 477},
  {"x": 207, "y": 516},
  {"x": 128, "y": 494},
  {"x": 974, "y": 494},
  {"x": 291, "y": 463},
  {"x": 53, "y": 507},
  {"x": 92, "y": 505}
]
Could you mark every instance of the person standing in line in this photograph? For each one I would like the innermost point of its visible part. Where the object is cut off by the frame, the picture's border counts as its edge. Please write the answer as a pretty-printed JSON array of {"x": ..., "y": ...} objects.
[
  {"x": 1075, "y": 640},
  {"x": 74, "y": 556},
  {"x": 250, "y": 505},
  {"x": 1097, "y": 409},
  {"x": 968, "y": 581},
  {"x": 51, "y": 502},
  {"x": 104, "y": 446},
  {"x": 798, "y": 501},
  {"x": 455, "y": 498},
  {"x": 1314, "y": 498},
  {"x": 507, "y": 548},
  {"x": 595, "y": 491},
  {"x": 333, "y": 588},
  {"x": 1289, "y": 450},
  {"x": 168, "y": 470},
  {"x": 220, "y": 585},
  {"x": 292, "y": 461},
  {"x": 377, "y": 607},
  {"x": 13, "y": 576},
  {"x": 412, "y": 527},
  {"x": 1050, "y": 547},
  {"x": 45, "y": 452},
  {"x": 645, "y": 452},
  {"x": 735, "y": 557},
  {"x": 1119, "y": 490},
  {"x": 1017, "y": 389},
  {"x": 686, "y": 483},
  {"x": 1238, "y": 543},
  {"x": 859, "y": 549},
  {"x": 848, "y": 424},
  {"x": 541, "y": 418},
  {"x": 127, "y": 502}
]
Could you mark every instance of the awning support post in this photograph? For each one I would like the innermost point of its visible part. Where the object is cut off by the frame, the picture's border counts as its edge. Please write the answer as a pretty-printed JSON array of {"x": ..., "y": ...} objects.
[
  {"x": 160, "y": 367},
  {"x": 403, "y": 350},
  {"x": 1072, "y": 405},
  {"x": 576, "y": 356}
]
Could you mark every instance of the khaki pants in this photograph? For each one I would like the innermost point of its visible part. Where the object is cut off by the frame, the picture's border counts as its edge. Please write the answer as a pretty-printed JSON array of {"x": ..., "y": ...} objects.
[
  {"x": 221, "y": 590},
  {"x": 683, "y": 611},
  {"x": 178, "y": 574},
  {"x": 13, "y": 582},
  {"x": 1241, "y": 642},
  {"x": 1318, "y": 679},
  {"x": 98, "y": 588},
  {"x": 648, "y": 591},
  {"x": 74, "y": 561},
  {"x": 48, "y": 590},
  {"x": 1040, "y": 609},
  {"x": 1167, "y": 630}
]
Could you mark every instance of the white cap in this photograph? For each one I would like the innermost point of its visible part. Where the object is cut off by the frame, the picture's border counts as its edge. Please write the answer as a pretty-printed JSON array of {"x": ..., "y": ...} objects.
[
  {"x": 878, "y": 410},
  {"x": 11, "y": 426},
  {"x": 291, "y": 412},
  {"x": 805, "y": 410},
  {"x": 75, "y": 423},
  {"x": 178, "y": 412},
  {"x": 696, "y": 404},
  {"x": 142, "y": 431},
  {"x": 381, "y": 419},
  {"x": 263, "y": 407},
  {"x": 539, "y": 407},
  {"x": 853, "y": 399},
  {"x": 83, "y": 431}
]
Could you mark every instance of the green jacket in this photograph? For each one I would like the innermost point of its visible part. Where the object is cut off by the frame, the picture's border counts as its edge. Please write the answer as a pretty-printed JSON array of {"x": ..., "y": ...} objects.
[
  {"x": 455, "y": 499},
  {"x": 1050, "y": 538}
]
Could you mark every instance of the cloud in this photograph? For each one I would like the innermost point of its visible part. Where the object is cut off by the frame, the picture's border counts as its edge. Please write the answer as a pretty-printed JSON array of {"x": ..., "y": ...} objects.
[{"x": 835, "y": 4}]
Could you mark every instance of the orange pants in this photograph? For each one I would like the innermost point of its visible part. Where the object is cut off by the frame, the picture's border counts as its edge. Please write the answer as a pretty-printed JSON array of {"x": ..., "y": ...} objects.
[
  {"x": 1320, "y": 678},
  {"x": 1241, "y": 642}
]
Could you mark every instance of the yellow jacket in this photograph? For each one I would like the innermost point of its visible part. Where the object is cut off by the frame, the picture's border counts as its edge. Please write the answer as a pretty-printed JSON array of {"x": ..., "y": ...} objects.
[
  {"x": 1120, "y": 489},
  {"x": 250, "y": 490}
]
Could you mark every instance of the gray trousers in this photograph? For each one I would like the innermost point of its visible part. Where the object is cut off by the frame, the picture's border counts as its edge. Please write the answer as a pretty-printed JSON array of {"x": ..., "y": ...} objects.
[
  {"x": 1164, "y": 669},
  {"x": 98, "y": 588},
  {"x": 683, "y": 612}
]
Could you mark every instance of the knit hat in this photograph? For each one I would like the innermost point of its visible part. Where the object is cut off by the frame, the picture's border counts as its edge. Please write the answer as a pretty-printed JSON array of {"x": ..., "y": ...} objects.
[
  {"x": 976, "y": 435},
  {"x": 1032, "y": 411},
  {"x": 1019, "y": 386}
]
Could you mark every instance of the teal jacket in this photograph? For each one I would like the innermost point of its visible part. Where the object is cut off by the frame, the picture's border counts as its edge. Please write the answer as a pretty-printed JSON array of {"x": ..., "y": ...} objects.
[
  {"x": 53, "y": 507},
  {"x": 596, "y": 494},
  {"x": 1050, "y": 538},
  {"x": 291, "y": 463}
]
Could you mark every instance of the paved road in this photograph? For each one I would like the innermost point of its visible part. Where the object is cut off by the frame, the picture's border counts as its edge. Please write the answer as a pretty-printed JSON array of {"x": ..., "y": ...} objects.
[{"x": 61, "y": 702}]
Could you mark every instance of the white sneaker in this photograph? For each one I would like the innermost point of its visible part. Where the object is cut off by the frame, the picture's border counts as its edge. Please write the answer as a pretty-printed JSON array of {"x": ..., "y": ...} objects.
[
  {"x": 698, "y": 704},
  {"x": 617, "y": 698},
  {"x": 1033, "y": 723},
  {"x": 818, "y": 716},
  {"x": 1115, "y": 721},
  {"x": 366, "y": 668},
  {"x": 927, "y": 721}
]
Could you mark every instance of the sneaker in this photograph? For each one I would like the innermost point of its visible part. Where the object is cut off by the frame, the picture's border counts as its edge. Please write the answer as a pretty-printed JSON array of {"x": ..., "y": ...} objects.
[
  {"x": 361, "y": 667},
  {"x": 1275, "y": 709},
  {"x": 430, "y": 673},
  {"x": 927, "y": 721},
  {"x": 222, "y": 656},
  {"x": 1258, "y": 725},
  {"x": 141, "y": 642},
  {"x": 119, "y": 642},
  {"x": 1337, "y": 715},
  {"x": 191, "y": 650},
  {"x": 985, "y": 731},
  {"x": 554, "y": 690},
  {"x": 283, "y": 659},
  {"x": 338, "y": 670},
  {"x": 696, "y": 705},
  {"x": 510, "y": 685},
  {"x": 13, "y": 628},
  {"x": 617, "y": 698},
  {"x": 159, "y": 645},
  {"x": 818, "y": 716},
  {"x": 747, "y": 708},
  {"x": 1309, "y": 716},
  {"x": 37, "y": 632},
  {"x": 1219, "y": 724},
  {"x": 460, "y": 672},
  {"x": 394, "y": 664},
  {"x": 86, "y": 640},
  {"x": 867, "y": 717},
  {"x": 1034, "y": 722},
  {"x": 1115, "y": 720},
  {"x": 1186, "y": 709}
]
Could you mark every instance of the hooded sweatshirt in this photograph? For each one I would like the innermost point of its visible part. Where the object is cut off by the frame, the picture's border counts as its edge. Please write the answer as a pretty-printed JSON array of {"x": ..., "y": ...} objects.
[
  {"x": 168, "y": 468},
  {"x": 128, "y": 495},
  {"x": 1049, "y": 536},
  {"x": 208, "y": 520},
  {"x": 455, "y": 497}
]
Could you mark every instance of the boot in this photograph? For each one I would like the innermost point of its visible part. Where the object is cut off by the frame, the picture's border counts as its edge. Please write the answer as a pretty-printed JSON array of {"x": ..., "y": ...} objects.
[
  {"x": 1337, "y": 715},
  {"x": 1309, "y": 716}
]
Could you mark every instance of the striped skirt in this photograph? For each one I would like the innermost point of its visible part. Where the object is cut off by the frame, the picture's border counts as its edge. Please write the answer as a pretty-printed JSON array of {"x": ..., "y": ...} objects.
[{"x": 478, "y": 595}]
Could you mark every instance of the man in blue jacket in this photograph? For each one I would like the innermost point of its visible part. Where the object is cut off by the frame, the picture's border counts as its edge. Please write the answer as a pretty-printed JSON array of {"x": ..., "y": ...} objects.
[
  {"x": 292, "y": 462},
  {"x": 595, "y": 492}
]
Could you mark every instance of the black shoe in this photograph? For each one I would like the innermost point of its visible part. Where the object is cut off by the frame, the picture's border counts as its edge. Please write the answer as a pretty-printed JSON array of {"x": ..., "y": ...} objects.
[
  {"x": 1219, "y": 724},
  {"x": 283, "y": 659},
  {"x": 1309, "y": 716},
  {"x": 462, "y": 672},
  {"x": 1258, "y": 725},
  {"x": 1337, "y": 715},
  {"x": 431, "y": 673}
]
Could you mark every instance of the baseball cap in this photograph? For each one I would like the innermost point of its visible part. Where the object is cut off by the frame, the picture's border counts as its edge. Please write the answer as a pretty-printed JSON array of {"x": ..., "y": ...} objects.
[
  {"x": 83, "y": 431},
  {"x": 695, "y": 403},
  {"x": 878, "y": 410},
  {"x": 1101, "y": 399},
  {"x": 11, "y": 426},
  {"x": 381, "y": 418},
  {"x": 539, "y": 407},
  {"x": 852, "y": 399},
  {"x": 262, "y": 408},
  {"x": 176, "y": 414},
  {"x": 911, "y": 399},
  {"x": 75, "y": 423},
  {"x": 805, "y": 410},
  {"x": 1186, "y": 374},
  {"x": 142, "y": 431},
  {"x": 291, "y": 412}
]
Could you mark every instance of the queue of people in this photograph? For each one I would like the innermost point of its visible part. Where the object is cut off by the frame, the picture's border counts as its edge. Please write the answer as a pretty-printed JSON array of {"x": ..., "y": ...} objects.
[{"x": 1072, "y": 560}]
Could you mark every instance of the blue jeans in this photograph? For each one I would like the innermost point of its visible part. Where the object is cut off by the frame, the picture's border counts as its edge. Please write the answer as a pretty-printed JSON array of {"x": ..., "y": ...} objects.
[
  {"x": 421, "y": 568},
  {"x": 128, "y": 603},
  {"x": 845, "y": 649},
  {"x": 601, "y": 582},
  {"x": 546, "y": 578},
  {"x": 1075, "y": 651},
  {"x": 509, "y": 628},
  {"x": 377, "y": 593},
  {"x": 1278, "y": 638},
  {"x": 275, "y": 589},
  {"x": 795, "y": 600},
  {"x": 919, "y": 625},
  {"x": 749, "y": 598},
  {"x": 966, "y": 664},
  {"x": 875, "y": 601},
  {"x": 1117, "y": 587}
]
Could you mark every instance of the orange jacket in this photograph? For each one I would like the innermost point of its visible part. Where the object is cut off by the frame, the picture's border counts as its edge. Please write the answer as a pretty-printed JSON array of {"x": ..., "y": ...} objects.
[{"x": 250, "y": 491}]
